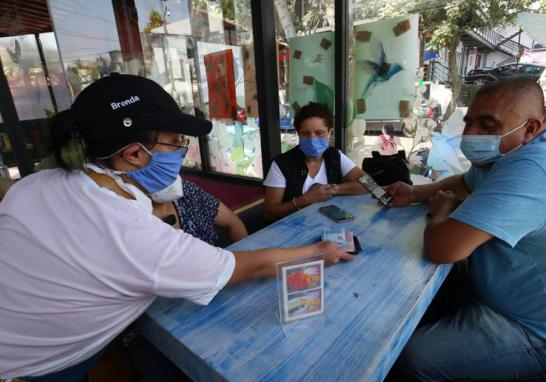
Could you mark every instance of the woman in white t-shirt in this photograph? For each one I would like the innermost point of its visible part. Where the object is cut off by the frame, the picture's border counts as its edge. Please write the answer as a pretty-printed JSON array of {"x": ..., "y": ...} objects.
[
  {"x": 312, "y": 171},
  {"x": 82, "y": 254}
]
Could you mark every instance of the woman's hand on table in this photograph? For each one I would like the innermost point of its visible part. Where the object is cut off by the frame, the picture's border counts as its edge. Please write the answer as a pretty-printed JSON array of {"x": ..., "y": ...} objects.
[
  {"x": 402, "y": 194},
  {"x": 251, "y": 265},
  {"x": 332, "y": 253},
  {"x": 318, "y": 193}
]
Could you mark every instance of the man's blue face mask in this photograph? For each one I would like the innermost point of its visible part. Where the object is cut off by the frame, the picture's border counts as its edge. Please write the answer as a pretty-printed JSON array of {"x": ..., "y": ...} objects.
[
  {"x": 483, "y": 149},
  {"x": 314, "y": 147},
  {"x": 161, "y": 171}
]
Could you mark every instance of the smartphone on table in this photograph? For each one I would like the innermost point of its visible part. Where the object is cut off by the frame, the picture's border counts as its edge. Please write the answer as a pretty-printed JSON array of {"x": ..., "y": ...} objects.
[
  {"x": 358, "y": 248},
  {"x": 336, "y": 214},
  {"x": 374, "y": 189}
]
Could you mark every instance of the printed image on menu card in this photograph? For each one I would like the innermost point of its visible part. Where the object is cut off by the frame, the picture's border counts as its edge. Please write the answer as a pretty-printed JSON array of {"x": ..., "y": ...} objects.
[{"x": 303, "y": 287}]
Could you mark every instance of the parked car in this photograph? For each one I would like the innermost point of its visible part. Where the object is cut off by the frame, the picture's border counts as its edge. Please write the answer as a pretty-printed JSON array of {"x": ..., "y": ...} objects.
[
  {"x": 484, "y": 76},
  {"x": 478, "y": 76}
]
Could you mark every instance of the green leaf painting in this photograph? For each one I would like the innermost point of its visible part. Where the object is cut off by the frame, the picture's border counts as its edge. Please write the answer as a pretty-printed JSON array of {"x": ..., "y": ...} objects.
[{"x": 324, "y": 94}]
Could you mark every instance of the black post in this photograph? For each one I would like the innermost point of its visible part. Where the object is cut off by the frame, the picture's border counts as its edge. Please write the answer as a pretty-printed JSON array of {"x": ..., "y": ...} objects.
[
  {"x": 204, "y": 153},
  {"x": 342, "y": 23},
  {"x": 46, "y": 72},
  {"x": 519, "y": 47},
  {"x": 13, "y": 127},
  {"x": 198, "y": 107},
  {"x": 265, "y": 54}
]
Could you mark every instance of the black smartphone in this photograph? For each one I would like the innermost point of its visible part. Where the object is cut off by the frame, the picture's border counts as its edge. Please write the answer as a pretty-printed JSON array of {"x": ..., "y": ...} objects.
[
  {"x": 374, "y": 189},
  {"x": 336, "y": 214},
  {"x": 358, "y": 248}
]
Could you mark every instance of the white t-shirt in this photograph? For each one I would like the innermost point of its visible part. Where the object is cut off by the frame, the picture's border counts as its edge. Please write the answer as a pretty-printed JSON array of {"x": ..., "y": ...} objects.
[
  {"x": 275, "y": 177},
  {"x": 79, "y": 263}
]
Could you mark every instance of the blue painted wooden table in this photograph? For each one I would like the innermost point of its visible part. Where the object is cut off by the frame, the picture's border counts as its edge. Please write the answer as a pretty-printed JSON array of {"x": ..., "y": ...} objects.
[{"x": 372, "y": 305}]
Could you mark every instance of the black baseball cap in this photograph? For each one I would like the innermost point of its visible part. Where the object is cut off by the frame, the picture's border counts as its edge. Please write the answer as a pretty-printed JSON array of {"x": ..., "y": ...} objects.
[{"x": 122, "y": 105}]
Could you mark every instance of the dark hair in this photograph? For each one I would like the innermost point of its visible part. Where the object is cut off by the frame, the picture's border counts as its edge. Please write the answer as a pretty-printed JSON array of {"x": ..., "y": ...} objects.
[
  {"x": 314, "y": 109},
  {"x": 64, "y": 138},
  {"x": 71, "y": 151},
  {"x": 517, "y": 87}
]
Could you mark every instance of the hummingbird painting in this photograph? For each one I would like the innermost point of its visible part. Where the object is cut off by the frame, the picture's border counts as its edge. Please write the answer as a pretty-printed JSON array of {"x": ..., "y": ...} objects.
[{"x": 379, "y": 72}]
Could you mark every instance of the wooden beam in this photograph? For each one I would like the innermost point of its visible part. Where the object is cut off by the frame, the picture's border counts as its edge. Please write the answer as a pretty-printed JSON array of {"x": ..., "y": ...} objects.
[{"x": 35, "y": 6}]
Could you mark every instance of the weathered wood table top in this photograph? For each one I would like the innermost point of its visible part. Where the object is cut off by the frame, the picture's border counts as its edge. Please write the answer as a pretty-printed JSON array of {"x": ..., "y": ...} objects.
[{"x": 372, "y": 305}]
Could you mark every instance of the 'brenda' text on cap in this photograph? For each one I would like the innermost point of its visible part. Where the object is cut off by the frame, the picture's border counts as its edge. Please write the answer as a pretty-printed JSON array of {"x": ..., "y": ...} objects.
[{"x": 116, "y": 105}]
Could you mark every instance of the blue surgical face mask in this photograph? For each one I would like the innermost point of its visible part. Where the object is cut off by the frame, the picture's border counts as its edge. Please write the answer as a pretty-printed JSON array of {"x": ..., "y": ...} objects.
[
  {"x": 160, "y": 172},
  {"x": 482, "y": 149},
  {"x": 314, "y": 147}
]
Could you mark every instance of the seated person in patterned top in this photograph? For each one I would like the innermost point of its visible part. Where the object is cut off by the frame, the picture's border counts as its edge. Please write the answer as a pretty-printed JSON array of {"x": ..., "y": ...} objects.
[
  {"x": 311, "y": 172},
  {"x": 199, "y": 213}
]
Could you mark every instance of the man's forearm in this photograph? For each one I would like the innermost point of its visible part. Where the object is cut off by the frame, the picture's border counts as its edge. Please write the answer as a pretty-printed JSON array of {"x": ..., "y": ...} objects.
[
  {"x": 433, "y": 237},
  {"x": 448, "y": 240},
  {"x": 441, "y": 216},
  {"x": 454, "y": 184}
]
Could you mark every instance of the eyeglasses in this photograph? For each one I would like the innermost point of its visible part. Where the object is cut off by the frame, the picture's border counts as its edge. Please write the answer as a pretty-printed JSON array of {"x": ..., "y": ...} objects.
[{"x": 183, "y": 143}]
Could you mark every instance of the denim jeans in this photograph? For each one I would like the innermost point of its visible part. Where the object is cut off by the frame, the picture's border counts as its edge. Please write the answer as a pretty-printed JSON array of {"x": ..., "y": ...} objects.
[{"x": 474, "y": 343}]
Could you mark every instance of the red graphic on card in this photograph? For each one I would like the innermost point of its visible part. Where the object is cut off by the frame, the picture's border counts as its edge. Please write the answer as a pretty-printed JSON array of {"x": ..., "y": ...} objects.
[
  {"x": 297, "y": 280},
  {"x": 306, "y": 278}
]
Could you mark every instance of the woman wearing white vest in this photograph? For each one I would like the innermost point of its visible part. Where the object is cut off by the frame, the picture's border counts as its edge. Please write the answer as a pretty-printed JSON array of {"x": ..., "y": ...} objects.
[{"x": 82, "y": 254}]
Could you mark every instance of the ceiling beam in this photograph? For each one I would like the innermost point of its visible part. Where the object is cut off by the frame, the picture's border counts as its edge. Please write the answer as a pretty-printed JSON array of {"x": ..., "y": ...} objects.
[{"x": 25, "y": 16}]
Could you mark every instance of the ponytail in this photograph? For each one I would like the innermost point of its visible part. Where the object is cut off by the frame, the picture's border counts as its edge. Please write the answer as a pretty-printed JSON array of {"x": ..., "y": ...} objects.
[{"x": 67, "y": 145}]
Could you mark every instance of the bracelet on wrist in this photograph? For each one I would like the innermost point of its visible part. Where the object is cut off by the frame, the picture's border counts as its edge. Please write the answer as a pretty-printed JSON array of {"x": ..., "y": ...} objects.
[{"x": 294, "y": 203}]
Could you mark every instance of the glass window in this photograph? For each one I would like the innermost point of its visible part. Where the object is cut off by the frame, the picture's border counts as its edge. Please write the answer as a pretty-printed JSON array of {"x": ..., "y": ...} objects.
[
  {"x": 532, "y": 70},
  {"x": 387, "y": 95},
  {"x": 24, "y": 71},
  {"x": 31, "y": 65},
  {"x": 397, "y": 84},
  {"x": 202, "y": 52},
  {"x": 306, "y": 69},
  {"x": 96, "y": 39},
  {"x": 89, "y": 43},
  {"x": 411, "y": 78}
]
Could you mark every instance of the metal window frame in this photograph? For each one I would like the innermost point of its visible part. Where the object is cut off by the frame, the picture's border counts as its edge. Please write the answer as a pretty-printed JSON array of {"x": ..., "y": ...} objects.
[
  {"x": 341, "y": 25},
  {"x": 265, "y": 56},
  {"x": 13, "y": 127},
  {"x": 263, "y": 26},
  {"x": 265, "y": 48}
]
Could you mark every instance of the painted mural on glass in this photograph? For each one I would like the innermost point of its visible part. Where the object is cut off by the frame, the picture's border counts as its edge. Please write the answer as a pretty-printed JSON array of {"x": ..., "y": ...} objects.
[{"x": 386, "y": 59}]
